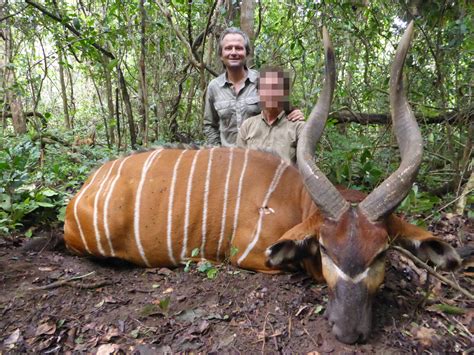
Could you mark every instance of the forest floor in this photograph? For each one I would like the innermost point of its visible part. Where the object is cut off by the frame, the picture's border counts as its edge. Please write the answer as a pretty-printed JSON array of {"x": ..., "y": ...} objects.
[{"x": 53, "y": 302}]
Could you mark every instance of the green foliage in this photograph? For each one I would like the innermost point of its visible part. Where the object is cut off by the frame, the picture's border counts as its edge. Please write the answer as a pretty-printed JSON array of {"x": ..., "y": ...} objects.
[
  {"x": 207, "y": 268},
  {"x": 351, "y": 162},
  {"x": 364, "y": 34},
  {"x": 36, "y": 183},
  {"x": 363, "y": 163},
  {"x": 204, "y": 267},
  {"x": 21, "y": 191},
  {"x": 418, "y": 202},
  {"x": 164, "y": 304},
  {"x": 449, "y": 309}
]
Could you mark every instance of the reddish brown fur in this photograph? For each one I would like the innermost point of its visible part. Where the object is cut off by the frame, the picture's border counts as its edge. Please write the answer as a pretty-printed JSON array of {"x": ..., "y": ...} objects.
[
  {"x": 153, "y": 218},
  {"x": 290, "y": 214}
]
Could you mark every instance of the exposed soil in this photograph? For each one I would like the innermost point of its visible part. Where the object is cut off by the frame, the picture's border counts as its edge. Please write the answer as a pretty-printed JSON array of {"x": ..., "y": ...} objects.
[{"x": 124, "y": 309}]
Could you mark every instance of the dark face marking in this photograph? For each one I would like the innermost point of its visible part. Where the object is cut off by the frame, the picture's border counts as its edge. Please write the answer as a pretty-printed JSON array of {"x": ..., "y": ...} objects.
[
  {"x": 351, "y": 255},
  {"x": 289, "y": 254}
]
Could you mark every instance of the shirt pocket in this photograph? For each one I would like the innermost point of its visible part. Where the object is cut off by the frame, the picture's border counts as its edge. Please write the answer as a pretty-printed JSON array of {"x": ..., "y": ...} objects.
[
  {"x": 252, "y": 106},
  {"x": 225, "y": 109}
]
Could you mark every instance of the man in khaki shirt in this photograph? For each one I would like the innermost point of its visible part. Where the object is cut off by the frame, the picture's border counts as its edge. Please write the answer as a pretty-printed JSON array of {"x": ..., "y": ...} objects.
[
  {"x": 232, "y": 97},
  {"x": 270, "y": 130},
  {"x": 225, "y": 110}
]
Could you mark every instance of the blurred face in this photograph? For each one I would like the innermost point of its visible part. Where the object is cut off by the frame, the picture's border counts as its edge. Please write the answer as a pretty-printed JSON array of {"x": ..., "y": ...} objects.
[
  {"x": 272, "y": 91},
  {"x": 233, "y": 53}
]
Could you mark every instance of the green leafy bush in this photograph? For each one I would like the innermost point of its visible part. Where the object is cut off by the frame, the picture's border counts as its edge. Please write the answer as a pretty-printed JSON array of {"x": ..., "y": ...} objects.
[
  {"x": 37, "y": 182},
  {"x": 364, "y": 162}
]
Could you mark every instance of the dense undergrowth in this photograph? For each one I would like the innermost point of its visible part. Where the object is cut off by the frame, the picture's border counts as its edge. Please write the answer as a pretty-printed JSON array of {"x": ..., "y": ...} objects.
[{"x": 38, "y": 179}]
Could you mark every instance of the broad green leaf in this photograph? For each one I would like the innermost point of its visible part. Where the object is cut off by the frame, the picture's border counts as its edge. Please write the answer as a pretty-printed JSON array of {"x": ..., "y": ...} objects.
[
  {"x": 44, "y": 204},
  {"x": 212, "y": 273}
]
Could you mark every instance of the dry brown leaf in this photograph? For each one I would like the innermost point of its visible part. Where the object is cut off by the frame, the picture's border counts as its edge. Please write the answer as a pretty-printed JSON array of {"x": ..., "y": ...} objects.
[
  {"x": 468, "y": 320},
  {"x": 165, "y": 271},
  {"x": 111, "y": 333},
  {"x": 44, "y": 344},
  {"x": 426, "y": 336},
  {"x": 13, "y": 339},
  {"x": 109, "y": 299},
  {"x": 203, "y": 326},
  {"x": 107, "y": 349},
  {"x": 47, "y": 328}
]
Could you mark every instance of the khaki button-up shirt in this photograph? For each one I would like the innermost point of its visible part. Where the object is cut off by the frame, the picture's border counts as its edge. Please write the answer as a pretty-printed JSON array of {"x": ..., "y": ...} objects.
[
  {"x": 225, "y": 111},
  {"x": 281, "y": 137}
]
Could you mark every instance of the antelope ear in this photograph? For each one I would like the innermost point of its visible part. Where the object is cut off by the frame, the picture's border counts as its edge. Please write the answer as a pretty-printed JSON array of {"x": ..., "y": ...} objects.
[
  {"x": 434, "y": 250},
  {"x": 289, "y": 253}
]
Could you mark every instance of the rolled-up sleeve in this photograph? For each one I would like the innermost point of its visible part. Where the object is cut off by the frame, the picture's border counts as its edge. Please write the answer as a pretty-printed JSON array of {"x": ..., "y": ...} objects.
[
  {"x": 299, "y": 129},
  {"x": 211, "y": 120}
]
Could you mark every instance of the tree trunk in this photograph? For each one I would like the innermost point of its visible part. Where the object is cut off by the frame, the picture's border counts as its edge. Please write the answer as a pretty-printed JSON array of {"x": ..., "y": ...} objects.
[
  {"x": 104, "y": 116},
  {"x": 9, "y": 77},
  {"x": 109, "y": 98},
  {"x": 72, "y": 102},
  {"x": 128, "y": 108},
  {"x": 67, "y": 120},
  {"x": 468, "y": 189},
  {"x": 119, "y": 135},
  {"x": 451, "y": 117},
  {"x": 143, "y": 92},
  {"x": 3, "y": 68},
  {"x": 231, "y": 11},
  {"x": 189, "y": 105},
  {"x": 247, "y": 24}
]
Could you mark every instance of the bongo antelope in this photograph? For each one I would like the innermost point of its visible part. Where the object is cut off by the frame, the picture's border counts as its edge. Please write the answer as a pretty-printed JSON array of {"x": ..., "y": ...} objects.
[{"x": 154, "y": 208}]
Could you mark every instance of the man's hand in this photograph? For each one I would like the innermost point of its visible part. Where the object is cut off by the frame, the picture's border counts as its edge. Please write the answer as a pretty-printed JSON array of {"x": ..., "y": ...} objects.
[{"x": 296, "y": 115}]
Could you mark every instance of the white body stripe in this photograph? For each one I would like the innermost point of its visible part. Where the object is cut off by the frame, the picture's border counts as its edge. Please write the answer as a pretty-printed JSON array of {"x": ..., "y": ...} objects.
[
  {"x": 204, "y": 207},
  {"x": 239, "y": 194},
  {"x": 224, "y": 207},
  {"x": 188, "y": 203},
  {"x": 76, "y": 217},
  {"x": 96, "y": 210},
  {"x": 276, "y": 179},
  {"x": 106, "y": 206},
  {"x": 136, "y": 212},
  {"x": 169, "y": 226}
]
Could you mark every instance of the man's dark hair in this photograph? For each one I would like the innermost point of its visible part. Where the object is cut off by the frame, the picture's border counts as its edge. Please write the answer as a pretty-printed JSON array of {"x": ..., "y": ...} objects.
[{"x": 232, "y": 30}]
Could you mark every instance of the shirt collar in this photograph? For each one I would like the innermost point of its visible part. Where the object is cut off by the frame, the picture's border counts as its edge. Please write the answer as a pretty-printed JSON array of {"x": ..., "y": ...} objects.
[
  {"x": 252, "y": 76},
  {"x": 278, "y": 119}
]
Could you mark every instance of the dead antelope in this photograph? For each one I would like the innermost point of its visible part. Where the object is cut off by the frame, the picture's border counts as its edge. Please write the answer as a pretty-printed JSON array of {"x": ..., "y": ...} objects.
[{"x": 155, "y": 208}]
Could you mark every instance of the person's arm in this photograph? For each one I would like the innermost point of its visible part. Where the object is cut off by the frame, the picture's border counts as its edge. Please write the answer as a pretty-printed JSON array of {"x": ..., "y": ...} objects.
[
  {"x": 299, "y": 129},
  {"x": 295, "y": 115},
  {"x": 211, "y": 121}
]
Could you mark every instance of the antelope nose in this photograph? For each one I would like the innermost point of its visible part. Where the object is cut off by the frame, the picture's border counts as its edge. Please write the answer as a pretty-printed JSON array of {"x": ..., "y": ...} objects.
[{"x": 348, "y": 337}]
